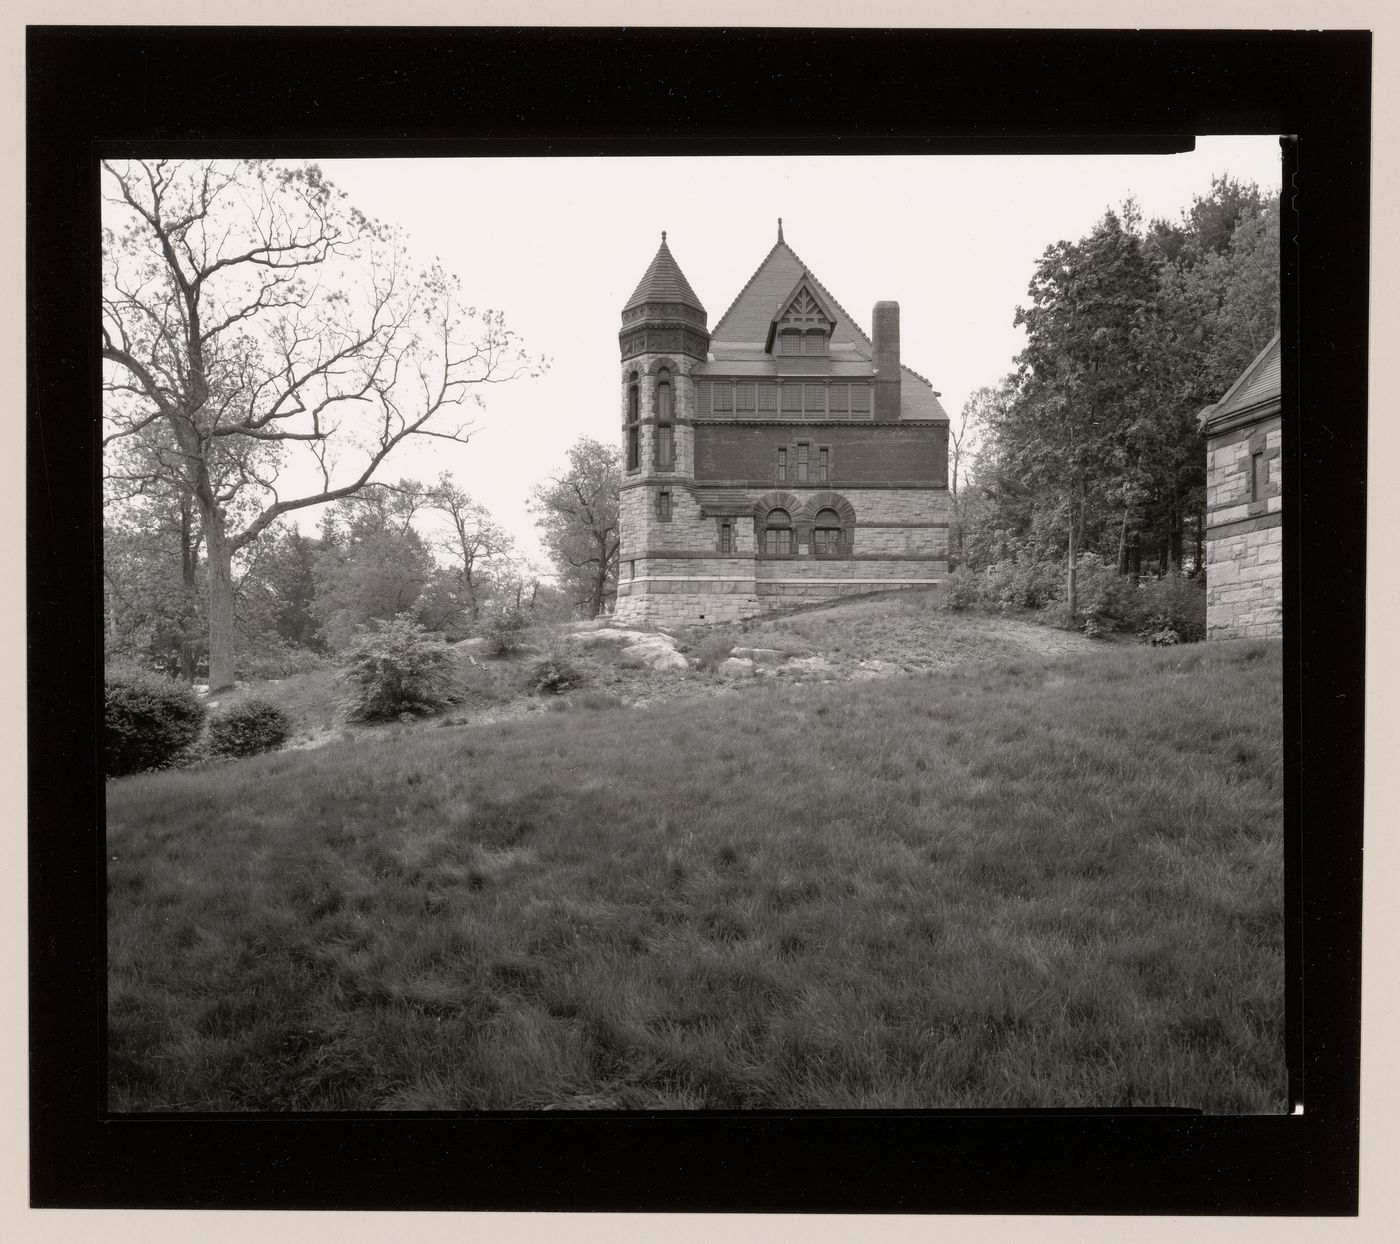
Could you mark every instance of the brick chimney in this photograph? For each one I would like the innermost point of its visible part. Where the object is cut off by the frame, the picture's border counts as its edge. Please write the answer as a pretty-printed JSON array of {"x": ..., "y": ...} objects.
[{"x": 886, "y": 337}]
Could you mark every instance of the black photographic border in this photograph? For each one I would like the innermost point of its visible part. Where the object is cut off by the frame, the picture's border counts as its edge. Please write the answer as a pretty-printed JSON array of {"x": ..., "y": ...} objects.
[{"x": 321, "y": 92}]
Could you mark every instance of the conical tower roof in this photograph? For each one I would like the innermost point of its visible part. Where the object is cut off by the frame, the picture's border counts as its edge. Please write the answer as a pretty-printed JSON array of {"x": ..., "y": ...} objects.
[{"x": 664, "y": 282}]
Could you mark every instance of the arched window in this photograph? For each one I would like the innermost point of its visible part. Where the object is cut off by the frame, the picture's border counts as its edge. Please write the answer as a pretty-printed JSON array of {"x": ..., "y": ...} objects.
[
  {"x": 634, "y": 431},
  {"x": 664, "y": 407},
  {"x": 777, "y": 533},
  {"x": 826, "y": 533},
  {"x": 665, "y": 435}
]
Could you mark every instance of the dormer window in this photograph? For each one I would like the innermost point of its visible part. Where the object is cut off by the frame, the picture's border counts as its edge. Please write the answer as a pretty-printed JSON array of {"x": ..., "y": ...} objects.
[
  {"x": 790, "y": 342},
  {"x": 803, "y": 324},
  {"x": 814, "y": 341}
]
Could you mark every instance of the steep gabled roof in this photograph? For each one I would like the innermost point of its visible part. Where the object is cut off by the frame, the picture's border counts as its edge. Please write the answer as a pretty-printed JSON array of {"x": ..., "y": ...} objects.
[
  {"x": 743, "y": 329},
  {"x": 1258, "y": 386},
  {"x": 664, "y": 281}
]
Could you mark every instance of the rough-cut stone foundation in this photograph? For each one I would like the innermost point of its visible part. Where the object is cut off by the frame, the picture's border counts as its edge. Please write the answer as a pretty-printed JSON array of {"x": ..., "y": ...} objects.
[{"x": 1244, "y": 584}]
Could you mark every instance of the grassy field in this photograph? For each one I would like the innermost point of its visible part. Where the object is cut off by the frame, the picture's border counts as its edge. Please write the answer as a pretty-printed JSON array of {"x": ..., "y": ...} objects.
[{"x": 1039, "y": 882}]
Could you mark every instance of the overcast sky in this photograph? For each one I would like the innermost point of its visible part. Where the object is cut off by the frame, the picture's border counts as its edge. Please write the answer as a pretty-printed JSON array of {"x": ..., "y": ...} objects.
[{"x": 559, "y": 245}]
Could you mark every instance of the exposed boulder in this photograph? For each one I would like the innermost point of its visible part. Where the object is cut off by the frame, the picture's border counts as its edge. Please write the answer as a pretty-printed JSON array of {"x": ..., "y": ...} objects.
[
  {"x": 770, "y": 655},
  {"x": 607, "y": 635},
  {"x": 735, "y": 667},
  {"x": 657, "y": 652},
  {"x": 876, "y": 669}
]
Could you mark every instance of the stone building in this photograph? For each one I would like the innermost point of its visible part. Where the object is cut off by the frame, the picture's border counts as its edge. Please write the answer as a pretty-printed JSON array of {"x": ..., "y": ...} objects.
[
  {"x": 1244, "y": 504},
  {"x": 781, "y": 457}
]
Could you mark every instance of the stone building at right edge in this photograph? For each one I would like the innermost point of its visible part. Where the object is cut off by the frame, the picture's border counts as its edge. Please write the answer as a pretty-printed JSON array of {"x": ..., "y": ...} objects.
[{"x": 1244, "y": 504}]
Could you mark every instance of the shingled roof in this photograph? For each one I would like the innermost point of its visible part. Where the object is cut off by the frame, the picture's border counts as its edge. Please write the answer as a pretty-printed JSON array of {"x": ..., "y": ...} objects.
[
  {"x": 664, "y": 281},
  {"x": 741, "y": 333},
  {"x": 1257, "y": 390}
]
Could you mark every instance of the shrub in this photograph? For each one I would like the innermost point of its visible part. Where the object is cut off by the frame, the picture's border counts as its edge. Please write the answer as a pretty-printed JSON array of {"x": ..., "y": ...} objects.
[
  {"x": 962, "y": 590},
  {"x": 1026, "y": 583},
  {"x": 396, "y": 668},
  {"x": 711, "y": 650},
  {"x": 256, "y": 725},
  {"x": 504, "y": 629},
  {"x": 555, "y": 674},
  {"x": 1174, "y": 603},
  {"x": 149, "y": 719},
  {"x": 1107, "y": 600}
]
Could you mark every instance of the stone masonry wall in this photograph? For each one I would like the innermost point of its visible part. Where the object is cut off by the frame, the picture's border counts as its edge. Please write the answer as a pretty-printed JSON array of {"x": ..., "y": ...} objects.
[{"x": 1244, "y": 534}]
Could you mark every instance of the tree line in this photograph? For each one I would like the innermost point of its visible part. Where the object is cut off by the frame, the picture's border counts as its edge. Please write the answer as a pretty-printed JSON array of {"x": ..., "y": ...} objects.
[
  {"x": 266, "y": 349},
  {"x": 1092, "y": 444}
]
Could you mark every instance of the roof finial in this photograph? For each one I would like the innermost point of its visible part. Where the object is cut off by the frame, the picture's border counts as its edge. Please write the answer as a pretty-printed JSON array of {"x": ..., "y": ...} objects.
[
  {"x": 663, "y": 237},
  {"x": 780, "y": 228}
]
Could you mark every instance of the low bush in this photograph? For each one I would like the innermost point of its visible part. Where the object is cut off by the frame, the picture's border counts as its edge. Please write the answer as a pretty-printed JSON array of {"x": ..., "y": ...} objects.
[
  {"x": 396, "y": 668},
  {"x": 245, "y": 729},
  {"x": 1025, "y": 583},
  {"x": 554, "y": 675},
  {"x": 1107, "y": 600},
  {"x": 962, "y": 589},
  {"x": 504, "y": 629},
  {"x": 150, "y": 721},
  {"x": 1173, "y": 603},
  {"x": 713, "y": 649}
]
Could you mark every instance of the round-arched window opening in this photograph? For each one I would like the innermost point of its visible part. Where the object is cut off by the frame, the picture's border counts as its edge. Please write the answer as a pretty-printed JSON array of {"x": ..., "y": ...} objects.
[
  {"x": 664, "y": 405},
  {"x": 826, "y": 533},
  {"x": 634, "y": 407},
  {"x": 777, "y": 533}
]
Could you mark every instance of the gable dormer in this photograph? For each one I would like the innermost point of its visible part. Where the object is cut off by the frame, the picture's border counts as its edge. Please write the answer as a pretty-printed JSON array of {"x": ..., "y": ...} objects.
[{"x": 802, "y": 323}]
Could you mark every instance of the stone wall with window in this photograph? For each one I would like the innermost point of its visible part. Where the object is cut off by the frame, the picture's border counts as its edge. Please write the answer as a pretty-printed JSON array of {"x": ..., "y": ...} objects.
[{"x": 1244, "y": 542}]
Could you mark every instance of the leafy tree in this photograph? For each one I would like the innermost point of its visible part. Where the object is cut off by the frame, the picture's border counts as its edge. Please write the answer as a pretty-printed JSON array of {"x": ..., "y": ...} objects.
[
  {"x": 246, "y": 306},
  {"x": 1081, "y": 374},
  {"x": 578, "y": 513}
]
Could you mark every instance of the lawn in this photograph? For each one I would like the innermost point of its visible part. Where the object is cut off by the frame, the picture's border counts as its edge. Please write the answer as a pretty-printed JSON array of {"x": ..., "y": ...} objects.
[{"x": 1034, "y": 882}]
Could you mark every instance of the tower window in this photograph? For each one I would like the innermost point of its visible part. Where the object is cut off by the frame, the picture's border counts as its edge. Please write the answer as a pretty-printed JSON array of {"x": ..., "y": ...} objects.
[
  {"x": 665, "y": 448},
  {"x": 634, "y": 432},
  {"x": 726, "y": 537},
  {"x": 664, "y": 404},
  {"x": 663, "y": 506}
]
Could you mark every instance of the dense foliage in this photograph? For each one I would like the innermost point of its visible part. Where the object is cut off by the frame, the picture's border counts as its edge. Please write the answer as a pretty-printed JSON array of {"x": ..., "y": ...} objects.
[
  {"x": 149, "y": 720},
  {"x": 1093, "y": 444},
  {"x": 554, "y": 675},
  {"x": 247, "y": 728},
  {"x": 397, "y": 667}
]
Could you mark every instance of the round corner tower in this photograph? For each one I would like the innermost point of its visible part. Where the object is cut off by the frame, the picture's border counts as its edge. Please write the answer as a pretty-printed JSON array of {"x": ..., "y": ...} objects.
[{"x": 663, "y": 339}]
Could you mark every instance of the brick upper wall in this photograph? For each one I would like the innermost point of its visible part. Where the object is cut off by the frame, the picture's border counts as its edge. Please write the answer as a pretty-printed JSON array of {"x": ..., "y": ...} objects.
[{"x": 872, "y": 455}]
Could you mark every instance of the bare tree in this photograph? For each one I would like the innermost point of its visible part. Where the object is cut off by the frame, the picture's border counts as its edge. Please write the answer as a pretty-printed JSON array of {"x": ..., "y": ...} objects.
[
  {"x": 249, "y": 303},
  {"x": 474, "y": 543},
  {"x": 579, "y": 515}
]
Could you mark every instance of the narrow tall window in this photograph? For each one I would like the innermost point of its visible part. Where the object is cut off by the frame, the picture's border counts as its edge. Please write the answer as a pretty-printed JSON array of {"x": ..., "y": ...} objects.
[
  {"x": 823, "y": 464},
  {"x": 664, "y": 406},
  {"x": 802, "y": 464},
  {"x": 726, "y": 537},
  {"x": 663, "y": 506},
  {"x": 634, "y": 432},
  {"x": 782, "y": 466},
  {"x": 1256, "y": 476},
  {"x": 665, "y": 448}
]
